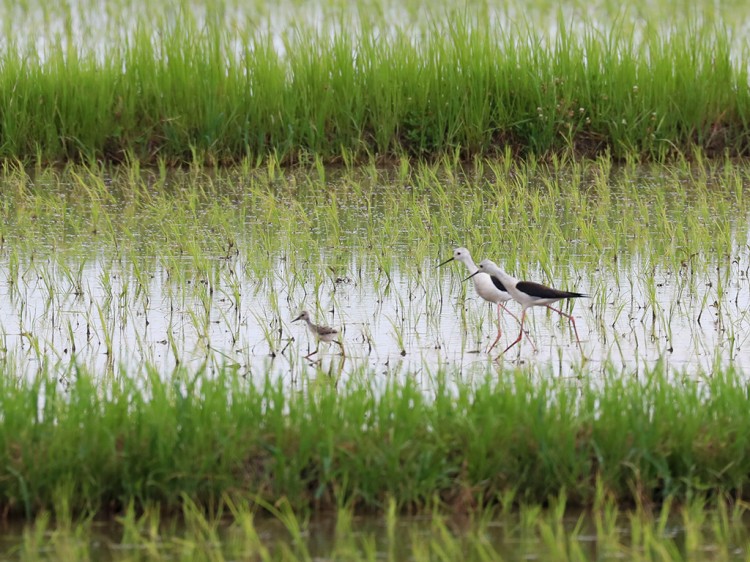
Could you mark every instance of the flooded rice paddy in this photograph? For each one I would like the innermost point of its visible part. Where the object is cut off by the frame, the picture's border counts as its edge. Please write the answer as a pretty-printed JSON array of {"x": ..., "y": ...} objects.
[
  {"x": 394, "y": 324},
  {"x": 213, "y": 271}
]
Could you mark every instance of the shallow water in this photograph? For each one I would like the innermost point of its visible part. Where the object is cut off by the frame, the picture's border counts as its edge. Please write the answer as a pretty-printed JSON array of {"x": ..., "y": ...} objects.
[
  {"x": 395, "y": 325},
  {"x": 219, "y": 283}
]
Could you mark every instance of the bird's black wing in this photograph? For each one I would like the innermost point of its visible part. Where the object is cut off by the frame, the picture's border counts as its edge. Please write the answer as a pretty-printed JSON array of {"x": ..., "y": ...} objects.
[
  {"x": 543, "y": 292},
  {"x": 496, "y": 282}
]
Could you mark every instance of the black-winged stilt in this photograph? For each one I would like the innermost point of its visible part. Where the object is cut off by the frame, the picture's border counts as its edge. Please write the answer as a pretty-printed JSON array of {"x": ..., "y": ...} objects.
[
  {"x": 489, "y": 288},
  {"x": 528, "y": 294}
]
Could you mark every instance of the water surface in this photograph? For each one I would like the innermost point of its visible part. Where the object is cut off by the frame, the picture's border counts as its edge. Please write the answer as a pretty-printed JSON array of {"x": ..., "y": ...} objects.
[{"x": 145, "y": 295}]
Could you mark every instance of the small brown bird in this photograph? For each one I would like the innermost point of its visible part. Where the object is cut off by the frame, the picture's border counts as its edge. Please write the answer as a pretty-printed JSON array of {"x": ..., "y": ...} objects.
[{"x": 321, "y": 333}]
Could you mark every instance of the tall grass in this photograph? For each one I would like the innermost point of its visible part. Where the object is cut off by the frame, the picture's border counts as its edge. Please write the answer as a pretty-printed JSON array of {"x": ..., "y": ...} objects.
[
  {"x": 179, "y": 88},
  {"x": 101, "y": 443}
]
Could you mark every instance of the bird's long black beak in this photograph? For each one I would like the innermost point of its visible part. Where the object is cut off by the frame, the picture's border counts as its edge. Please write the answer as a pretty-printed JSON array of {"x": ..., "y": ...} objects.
[
  {"x": 446, "y": 261},
  {"x": 473, "y": 274},
  {"x": 298, "y": 318}
]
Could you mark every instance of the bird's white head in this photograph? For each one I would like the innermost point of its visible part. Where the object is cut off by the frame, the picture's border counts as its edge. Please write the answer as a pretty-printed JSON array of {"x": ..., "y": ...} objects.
[
  {"x": 489, "y": 266},
  {"x": 304, "y": 315},
  {"x": 462, "y": 255}
]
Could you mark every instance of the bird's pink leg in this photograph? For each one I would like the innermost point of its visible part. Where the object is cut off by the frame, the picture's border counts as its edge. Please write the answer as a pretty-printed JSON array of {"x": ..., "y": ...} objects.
[
  {"x": 572, "y": 320},
  {"x": 520, "y": 333},
  {"x": 501, "y": 306},
  {"x": 528, "y": 336},
  {"x": 508, "y": 311},
  {"x": 499, "y": 331}
]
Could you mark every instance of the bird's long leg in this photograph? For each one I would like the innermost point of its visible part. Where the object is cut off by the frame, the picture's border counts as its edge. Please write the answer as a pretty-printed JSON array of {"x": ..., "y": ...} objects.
[
  {"x": 572, "y": 321},
  {"x": 530, "y": 340},
  {"x": 312, "y": 352},
  {"x": 499, "y": 330},
  {"x": 501, "y": 306},
  {"x": 528, "y": 336},
  {"x": 520, "y": 332},
  {"x": 341, "y": 345},
  {"x": 508, "y": 311}
]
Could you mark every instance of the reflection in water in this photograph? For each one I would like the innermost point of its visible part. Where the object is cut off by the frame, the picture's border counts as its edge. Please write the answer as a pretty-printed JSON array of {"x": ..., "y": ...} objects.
[
  {"x": 408, "y": 324},
  {"x": 692, "y": 532}
]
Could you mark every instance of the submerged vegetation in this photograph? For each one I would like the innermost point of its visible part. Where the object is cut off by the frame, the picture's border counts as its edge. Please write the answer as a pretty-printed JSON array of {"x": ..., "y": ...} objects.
[
  {"x": 237, "y": 530},
  {"x": 224, "y": 85},
  {"x": 97, "y": 445}
]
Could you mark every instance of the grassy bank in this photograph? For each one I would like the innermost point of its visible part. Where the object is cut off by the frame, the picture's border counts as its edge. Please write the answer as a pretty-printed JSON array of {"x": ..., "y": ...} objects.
[
  {"x": 97, "y": 445},
  {"x": 179, "y": 89}
]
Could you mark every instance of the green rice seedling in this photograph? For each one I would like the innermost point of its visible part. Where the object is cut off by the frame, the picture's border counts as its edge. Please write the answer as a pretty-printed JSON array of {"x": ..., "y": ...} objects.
[
  {"x": 397, "y": 330},
  {"x": 174, "y": 345},
  {"x": 170, "y": 252},
  {"x": 269, "y": 332}
]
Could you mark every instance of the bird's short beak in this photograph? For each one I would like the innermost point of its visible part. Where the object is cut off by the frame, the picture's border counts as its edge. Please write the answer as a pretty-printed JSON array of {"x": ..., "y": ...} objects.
[
  {"x": 446, "y": 261},
  {"x": 298, "y": 318},
  {"x": 473, "y": 274}
]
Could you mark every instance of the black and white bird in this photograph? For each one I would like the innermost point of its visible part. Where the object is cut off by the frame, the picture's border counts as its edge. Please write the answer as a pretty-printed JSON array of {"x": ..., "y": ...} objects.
[
  {"x": 528, "y": 294},
  {"x": 320, "y": 332},
  {"x": 489, "y": 288}
]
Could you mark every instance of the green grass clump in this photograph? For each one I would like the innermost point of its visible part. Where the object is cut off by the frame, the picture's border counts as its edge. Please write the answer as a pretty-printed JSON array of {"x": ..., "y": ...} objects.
[
  {"x": 99, "y": 444},
  {"x": 179, "y": 88}
]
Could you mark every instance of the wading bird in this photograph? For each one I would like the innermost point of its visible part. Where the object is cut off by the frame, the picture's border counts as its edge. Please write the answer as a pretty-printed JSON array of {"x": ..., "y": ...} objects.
[
  {"x": 489, "y": 288},
  {"x": 320, "y": 332},
  {"x": 528, "y": 294}
]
